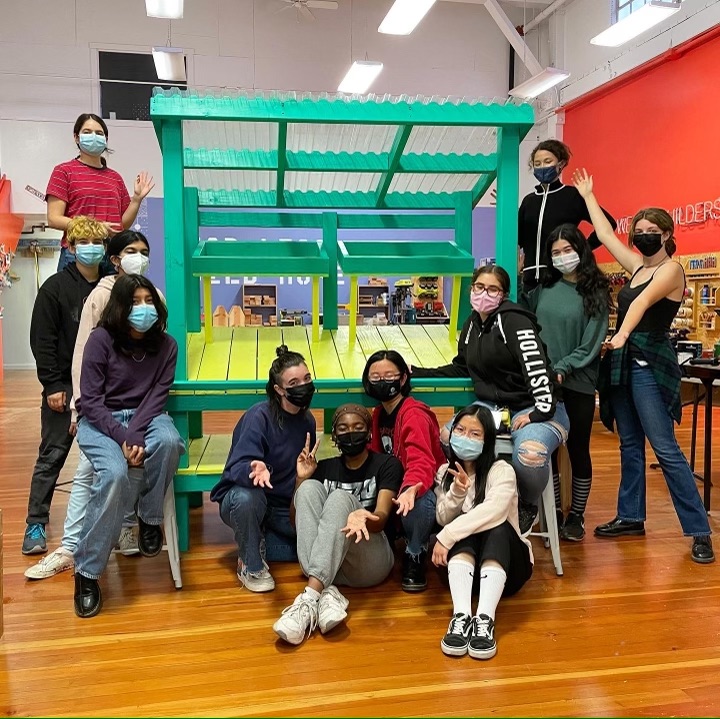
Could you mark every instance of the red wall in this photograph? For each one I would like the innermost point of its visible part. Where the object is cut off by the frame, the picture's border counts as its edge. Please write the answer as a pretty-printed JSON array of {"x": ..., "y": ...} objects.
[{"x": 654, "y": 139}]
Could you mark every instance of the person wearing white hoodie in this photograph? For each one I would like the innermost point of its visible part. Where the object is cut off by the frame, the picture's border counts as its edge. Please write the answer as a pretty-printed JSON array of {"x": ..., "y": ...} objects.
[{"x": 128, "y": 252}]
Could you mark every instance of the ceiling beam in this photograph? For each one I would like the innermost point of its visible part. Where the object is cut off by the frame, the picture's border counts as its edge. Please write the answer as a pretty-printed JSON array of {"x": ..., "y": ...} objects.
[{"x": 515, "y": 3}]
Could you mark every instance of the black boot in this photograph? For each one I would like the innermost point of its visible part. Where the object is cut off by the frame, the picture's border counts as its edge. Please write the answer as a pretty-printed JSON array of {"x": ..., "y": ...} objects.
[
  {"x": 150, "y": 539},
  {"x": 702, "y": 550},
  {"x": 88, "y": 599},
  {"x": 413, "y": 576}
]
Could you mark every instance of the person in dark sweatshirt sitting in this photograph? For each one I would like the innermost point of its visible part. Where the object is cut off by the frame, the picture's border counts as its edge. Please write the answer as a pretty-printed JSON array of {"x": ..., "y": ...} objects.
[
  {"x": 53, "y": 330},
  {"x": 550, "y": 204},
  {"x": 127, "y": 371},
  {"x": 499, "y": 348},
  {"x": 257, "y": 484}
]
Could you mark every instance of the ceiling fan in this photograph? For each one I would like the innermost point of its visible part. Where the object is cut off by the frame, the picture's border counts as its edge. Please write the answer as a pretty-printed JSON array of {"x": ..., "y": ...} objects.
[{"x": 302, "y": 7}]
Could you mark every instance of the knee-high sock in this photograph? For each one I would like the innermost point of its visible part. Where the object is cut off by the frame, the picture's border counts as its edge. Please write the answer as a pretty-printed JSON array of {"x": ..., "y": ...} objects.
[
  {"x": 460, "y": 576},
  {"x": 492, "y": 583},
  {"x": 580, "y": 493}
]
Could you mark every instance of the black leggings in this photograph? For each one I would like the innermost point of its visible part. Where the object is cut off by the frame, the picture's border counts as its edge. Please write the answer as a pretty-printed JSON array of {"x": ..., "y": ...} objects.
[{"x": 581, "y": 412}]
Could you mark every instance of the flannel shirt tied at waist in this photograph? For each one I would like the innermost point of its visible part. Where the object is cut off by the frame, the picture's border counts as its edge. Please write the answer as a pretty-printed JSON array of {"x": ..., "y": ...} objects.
[{"x": 656, "y": 350}]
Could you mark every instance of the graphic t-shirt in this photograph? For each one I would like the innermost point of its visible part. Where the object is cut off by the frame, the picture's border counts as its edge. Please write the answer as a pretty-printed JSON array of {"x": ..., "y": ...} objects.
[
  {"x": 379, "y": 471},
  {"x": 387, "y": 427}
]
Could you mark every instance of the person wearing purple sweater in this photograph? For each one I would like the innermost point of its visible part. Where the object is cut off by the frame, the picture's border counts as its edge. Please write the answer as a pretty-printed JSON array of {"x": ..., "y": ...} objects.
[
  {"x": 127, "y": 371},
  {"x": 257, "y": 484}
]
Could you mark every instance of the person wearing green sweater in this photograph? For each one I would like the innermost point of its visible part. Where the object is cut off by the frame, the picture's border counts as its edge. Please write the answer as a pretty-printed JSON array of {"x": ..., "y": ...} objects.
[{"x": 572, "y": 304}]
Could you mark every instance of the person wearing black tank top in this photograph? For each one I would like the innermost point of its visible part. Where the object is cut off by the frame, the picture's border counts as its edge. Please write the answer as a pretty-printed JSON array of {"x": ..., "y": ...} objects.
[{"x": 640, "y": 375}]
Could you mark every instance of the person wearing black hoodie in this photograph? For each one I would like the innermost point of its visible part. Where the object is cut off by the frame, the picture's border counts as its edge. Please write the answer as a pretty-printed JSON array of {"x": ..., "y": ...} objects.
[
  {"x": 53, "y": 330},
  {"x": 501, "y": 351},
  {"x": 550, "y": 205}
]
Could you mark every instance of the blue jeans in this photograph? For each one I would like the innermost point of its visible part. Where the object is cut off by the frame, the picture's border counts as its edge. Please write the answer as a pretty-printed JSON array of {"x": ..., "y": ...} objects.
[
  {"x": 640, "y": 412},
  {"x": 533, "y": 447},
  {"x": 255, "y": 523},
  {"x": 419, "y": 523},
  {"x": 117, "y": 486},
  {"x": 66, "y": 258}
]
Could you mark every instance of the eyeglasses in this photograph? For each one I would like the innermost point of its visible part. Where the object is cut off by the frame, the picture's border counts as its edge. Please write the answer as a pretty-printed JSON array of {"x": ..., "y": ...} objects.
[
  {"x": 478, "y": 287},
  {"x": 386, "y": 378}
]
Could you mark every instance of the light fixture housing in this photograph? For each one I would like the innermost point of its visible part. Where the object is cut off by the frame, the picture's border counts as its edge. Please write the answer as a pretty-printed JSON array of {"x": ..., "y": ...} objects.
[
  {"x": 637, "y": 22},
  {"x": 168, "y": 9},
  {"x": 360, "y": 76},
  {"x": 404, "y": 16},
  {"x": 539, "y": 83},
  {"x": 170, "y": 63}
]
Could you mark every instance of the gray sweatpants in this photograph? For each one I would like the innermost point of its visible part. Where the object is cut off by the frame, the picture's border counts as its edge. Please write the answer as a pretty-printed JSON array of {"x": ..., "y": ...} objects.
[{"x": 325, "y": 552}]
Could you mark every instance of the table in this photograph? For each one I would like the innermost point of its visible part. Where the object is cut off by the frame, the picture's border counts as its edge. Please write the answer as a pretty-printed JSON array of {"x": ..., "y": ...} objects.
[{"x": 709, "y": 375}]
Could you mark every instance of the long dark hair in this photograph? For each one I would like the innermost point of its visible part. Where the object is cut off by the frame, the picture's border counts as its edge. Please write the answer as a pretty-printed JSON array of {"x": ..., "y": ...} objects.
[
  {"x": 82, "y": 119},
  {"x": 485, "y": 461},
  {"x": 284, "y": 360},
  {"x": 114, "y": 318},
  {"x": 116, "y": 245},
  {"x": 392, "y": 356},
  {"x": 592, "y": 283}
]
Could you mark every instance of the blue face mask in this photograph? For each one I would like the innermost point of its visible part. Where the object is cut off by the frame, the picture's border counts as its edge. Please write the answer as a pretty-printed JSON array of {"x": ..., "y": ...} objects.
[
  {"x": 546, "y": 175},
  {"x": 466, "y": 449},
  {"x": 89, "y": 255},
  {"x": 92, "y": 143},
  {"x": 142, "y": 317}
]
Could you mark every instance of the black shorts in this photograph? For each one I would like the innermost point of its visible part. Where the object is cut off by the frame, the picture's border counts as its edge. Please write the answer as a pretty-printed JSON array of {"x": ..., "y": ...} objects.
[{"x": 502, "y": 544}]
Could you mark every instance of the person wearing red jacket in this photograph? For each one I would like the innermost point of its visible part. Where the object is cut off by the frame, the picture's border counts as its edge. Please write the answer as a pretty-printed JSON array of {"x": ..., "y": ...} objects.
[{"x": 408, "y": 429}]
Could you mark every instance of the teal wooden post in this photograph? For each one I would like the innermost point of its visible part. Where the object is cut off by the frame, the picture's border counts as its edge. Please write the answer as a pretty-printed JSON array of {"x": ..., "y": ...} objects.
[
  {"x": 195, "y": 425},
  {"x": 463, "y": 239},
  {"x": 330, "y": 288},
  {"x": 506, "y": 232},
  {"x": 192, "y": 237},
  {"x": 175, "y": 254}
]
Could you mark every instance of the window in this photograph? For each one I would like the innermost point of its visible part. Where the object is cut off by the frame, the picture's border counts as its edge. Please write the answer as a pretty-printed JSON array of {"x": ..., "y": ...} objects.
[
  {"x": 623, "y": 8},
  {"x": 126, "y": 83}
]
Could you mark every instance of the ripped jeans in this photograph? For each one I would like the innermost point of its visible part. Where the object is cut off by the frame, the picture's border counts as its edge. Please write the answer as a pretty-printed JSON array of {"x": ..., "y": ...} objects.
[{"x": 533, "y": 447}]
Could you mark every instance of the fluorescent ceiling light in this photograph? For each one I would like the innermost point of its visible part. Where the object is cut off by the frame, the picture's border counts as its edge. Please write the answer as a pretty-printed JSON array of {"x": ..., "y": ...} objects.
[
  {"x": 170, "y": 63},
  {"x": 360, "y": 76},
  {"x": 539, "y": 83},
  {"x": 172, "y": 9},
  {"x": 637, "y": 22},
  {"x": 404, "y": 16}
]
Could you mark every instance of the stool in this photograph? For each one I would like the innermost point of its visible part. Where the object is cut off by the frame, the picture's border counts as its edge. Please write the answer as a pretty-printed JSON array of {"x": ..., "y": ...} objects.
[
  {"x": 171, "y": 535},
  {"x": 546, "y": 508}
]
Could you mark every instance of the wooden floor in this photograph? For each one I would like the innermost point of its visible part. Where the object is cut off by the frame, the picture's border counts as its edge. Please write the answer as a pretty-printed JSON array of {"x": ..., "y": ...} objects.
[{"x": 632, "y": 629}]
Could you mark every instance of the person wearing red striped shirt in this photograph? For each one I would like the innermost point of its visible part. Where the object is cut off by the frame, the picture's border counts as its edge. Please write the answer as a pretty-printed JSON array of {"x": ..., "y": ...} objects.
[{"x": 87, "y": 186}]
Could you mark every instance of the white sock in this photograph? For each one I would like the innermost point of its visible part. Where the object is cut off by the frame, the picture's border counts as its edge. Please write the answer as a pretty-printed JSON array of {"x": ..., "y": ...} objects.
[
  {"x": 460, "y": 576},
  {"x": 492, "y": 583},
  {"x": 312, "y": 593}
]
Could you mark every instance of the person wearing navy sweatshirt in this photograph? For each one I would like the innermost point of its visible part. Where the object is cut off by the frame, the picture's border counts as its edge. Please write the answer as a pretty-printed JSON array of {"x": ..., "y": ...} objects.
[
  {"x": 257, "y": 484},
  {"x": 127, "y": 371},
  {"x": 549, "y": 205}
]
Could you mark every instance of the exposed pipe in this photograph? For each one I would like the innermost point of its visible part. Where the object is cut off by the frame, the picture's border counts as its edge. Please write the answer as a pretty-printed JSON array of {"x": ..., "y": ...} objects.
[{"x": 549, "y": 10}]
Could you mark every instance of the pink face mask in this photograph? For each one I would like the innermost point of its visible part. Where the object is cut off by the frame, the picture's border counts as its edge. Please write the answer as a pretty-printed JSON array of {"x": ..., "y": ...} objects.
[{"x": 483, "y": 303}]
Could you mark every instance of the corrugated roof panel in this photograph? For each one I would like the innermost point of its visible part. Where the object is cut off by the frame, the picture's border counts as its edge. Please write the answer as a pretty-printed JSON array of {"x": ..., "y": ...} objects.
[
  {"x": 432, "y": 183},
  {"x": 201, "y": 134},
  {"x": 339, "y": 138},
  {"x": 252, "y": 180},
  {"x": 446, "y": 140},
  {"x": 331, "y": 181}
]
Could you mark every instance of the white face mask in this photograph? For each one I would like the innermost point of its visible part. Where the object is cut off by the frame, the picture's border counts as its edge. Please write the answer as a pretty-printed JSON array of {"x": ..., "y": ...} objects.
[
  {"x": 566, "y": 263},
  {"x": 135, "y": 264}
]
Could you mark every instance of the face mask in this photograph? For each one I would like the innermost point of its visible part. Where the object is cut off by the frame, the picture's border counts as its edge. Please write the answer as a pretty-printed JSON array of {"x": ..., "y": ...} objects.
[
  {"x": 482, "y": 302},
  {"x": 546, "y": 175},
  {"x": 383, "y": 390},
  {"x": 135, "y": 264},
  {"x": 89, "y": 255},
  {"x": 142, "y": 317},
  {"x": 566, "y": 263},
  {"x": 92, "y": 144},
  {"x": 300, "y": 395},
  {"x": 466, "y": 449},
  {"x": 649, "y": 243},
  {"x": 351, "y": 444}
]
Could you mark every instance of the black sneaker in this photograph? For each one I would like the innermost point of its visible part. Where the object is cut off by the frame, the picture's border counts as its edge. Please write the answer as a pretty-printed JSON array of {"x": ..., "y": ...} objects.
[
  {"x": 455, "y": 642},
  {"x": 527, "y": 516},
  {"x": 702, "y": 551},
  {"x": 413, "y": 576},
  {"x": 573, "y": 530},
  {"x": 34, "y": 539},
  {"x": 482, "y": 638}
]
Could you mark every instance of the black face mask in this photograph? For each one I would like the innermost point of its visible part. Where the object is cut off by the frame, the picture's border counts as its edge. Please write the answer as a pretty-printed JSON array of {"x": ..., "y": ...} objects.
[
  {"x": 648, "y": 243},
  {"x": 300, "y": 395},
  {"x": 351, "y": 444},
  {"x": 383, "y": 390}
]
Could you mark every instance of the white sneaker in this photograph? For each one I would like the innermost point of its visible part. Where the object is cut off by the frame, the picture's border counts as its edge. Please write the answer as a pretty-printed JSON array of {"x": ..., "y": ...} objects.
[
  {"x": 54, "y": 563},
  {"x": 261, "y": 581},
  {"x": 331, "y": 609},
  {"x": 127, "y": 545},
  {"x": 298, "y": 620}
]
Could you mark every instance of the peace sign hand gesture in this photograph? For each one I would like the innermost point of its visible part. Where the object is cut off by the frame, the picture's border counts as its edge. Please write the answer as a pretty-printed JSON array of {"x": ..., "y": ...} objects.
[
  {"x": 461, "y": 481},
  {"x": 306, "y": 462}
]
